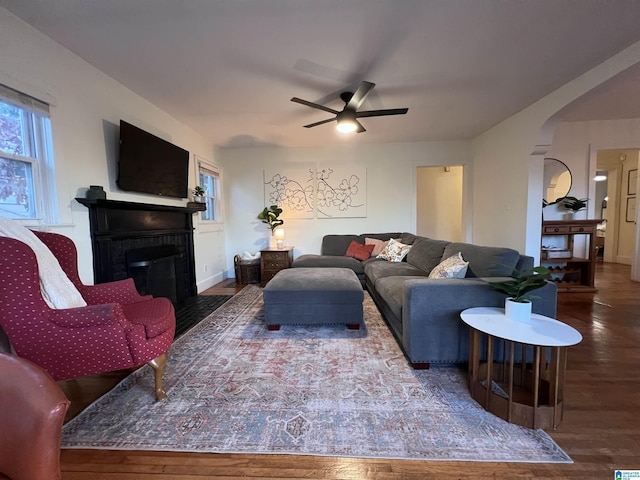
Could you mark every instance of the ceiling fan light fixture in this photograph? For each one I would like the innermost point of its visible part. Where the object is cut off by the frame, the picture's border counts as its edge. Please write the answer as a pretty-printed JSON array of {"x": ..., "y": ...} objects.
[
  {"x": 347, "y": 119},
  {"x": 346, "y": 126},
  {"x": 346, "y": 122}
]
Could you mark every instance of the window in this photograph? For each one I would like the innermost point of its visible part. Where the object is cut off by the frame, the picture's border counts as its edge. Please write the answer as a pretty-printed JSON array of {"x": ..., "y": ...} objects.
[
  {"x": 209, "y": 180},
  {"x": 27, "y": 182}
]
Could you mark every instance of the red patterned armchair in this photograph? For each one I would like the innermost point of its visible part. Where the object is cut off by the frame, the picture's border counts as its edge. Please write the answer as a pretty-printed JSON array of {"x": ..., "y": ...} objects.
[{"x": 117, "y": 329}]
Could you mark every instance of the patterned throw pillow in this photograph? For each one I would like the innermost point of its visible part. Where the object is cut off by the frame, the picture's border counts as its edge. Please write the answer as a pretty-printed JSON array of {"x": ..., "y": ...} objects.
[
  {"x": 452, "y": 267},
  {"x": 378, "y": 245},
  {"x": 359, "y": 251},
  {"x": 394, "y": 251}
]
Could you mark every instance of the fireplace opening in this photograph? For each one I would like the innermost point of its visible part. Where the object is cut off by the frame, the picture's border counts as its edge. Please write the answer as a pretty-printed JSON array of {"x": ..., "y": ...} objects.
[{"x": 158, "y": 271}]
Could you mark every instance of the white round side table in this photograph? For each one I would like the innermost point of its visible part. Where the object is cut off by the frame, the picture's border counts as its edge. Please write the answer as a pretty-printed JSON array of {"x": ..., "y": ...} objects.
[{"x": 527, "y": 391}]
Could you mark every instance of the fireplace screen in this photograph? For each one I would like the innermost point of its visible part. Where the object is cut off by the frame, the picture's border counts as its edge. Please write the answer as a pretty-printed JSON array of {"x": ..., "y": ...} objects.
[{"x": 158, "y": 271}]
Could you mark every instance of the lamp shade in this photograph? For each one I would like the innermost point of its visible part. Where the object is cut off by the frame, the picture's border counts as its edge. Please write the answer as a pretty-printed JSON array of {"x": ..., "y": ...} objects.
[
  {"x": 346, "y": 121},
  {"x": 279, "y": 234}
]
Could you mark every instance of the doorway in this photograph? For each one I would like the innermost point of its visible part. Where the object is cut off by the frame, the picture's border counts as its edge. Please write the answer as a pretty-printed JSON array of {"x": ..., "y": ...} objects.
[
  {"x": 439, "y": 202},
  {"x": 615, "y": 204}
]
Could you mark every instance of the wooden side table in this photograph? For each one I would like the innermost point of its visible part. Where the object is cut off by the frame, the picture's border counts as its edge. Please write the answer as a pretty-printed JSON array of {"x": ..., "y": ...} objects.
[
  {"x": 520, "y": 391},
  {"x": 575, "y": 274},
  {"x": 272, "y": 260}
]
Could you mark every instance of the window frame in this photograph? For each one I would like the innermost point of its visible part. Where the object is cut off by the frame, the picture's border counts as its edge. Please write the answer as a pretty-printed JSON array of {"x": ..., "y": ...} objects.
[
  {"x": 38, "y": 146},
  {"x": 214, "y": 199}
]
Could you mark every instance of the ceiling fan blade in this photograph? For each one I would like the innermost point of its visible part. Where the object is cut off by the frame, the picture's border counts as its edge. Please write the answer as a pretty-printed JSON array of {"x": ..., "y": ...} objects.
[
  {"x": 359, "y": 95},
  {"x": 380, "y": 113},
  {"x": 360, "y": 128},
  {"x": 322, "y": 122},
  {"x": 314, "y": 105}
]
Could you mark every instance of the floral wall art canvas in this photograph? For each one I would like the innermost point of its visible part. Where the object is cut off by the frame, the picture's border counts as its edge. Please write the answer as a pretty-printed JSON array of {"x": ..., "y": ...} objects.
[
  {"x": 292, "y": 190},
  {"x": 329, "y": 191},
  {"x": 341, "y": 192}
]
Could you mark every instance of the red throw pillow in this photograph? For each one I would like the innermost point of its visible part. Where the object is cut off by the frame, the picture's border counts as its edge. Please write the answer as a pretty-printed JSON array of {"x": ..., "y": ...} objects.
[{"x": 359, "y": 251}]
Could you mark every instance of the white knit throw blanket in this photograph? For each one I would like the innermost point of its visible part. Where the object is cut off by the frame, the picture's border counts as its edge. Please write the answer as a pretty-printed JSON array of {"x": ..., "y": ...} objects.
[{"x": 57, "y": 289}]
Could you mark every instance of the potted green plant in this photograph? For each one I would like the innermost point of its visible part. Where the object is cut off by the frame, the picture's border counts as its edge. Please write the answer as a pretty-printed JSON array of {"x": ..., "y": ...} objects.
[
  {"x": 574, "y": 204},
  {"x": 270, "y": 216},
  {"x": 198, "y": 194},
  {"x": 517, "y": 305}
]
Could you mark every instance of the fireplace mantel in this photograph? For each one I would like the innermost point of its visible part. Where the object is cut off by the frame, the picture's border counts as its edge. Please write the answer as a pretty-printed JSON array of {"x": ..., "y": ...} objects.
[{"x": 118, "y": 227}]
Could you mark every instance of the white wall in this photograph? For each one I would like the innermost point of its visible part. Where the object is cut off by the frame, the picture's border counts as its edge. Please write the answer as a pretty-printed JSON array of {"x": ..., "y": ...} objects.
[
  {"x": 86, "y": 108},
  {"x": 391, "y": 190}
]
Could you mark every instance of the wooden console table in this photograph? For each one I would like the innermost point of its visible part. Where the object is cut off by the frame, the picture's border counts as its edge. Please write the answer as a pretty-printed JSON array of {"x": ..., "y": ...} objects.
[{"x": 573, "y": 273}]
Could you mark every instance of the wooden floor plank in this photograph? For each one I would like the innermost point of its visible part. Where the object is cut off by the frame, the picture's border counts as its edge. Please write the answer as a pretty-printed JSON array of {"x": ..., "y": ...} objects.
[{"x": 600, "y": 430}]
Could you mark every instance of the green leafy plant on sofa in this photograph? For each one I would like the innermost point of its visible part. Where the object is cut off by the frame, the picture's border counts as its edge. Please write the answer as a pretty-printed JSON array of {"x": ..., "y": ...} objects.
[
  {"x": 522, "y": 283},
  {"x": 270, "y": 216}
]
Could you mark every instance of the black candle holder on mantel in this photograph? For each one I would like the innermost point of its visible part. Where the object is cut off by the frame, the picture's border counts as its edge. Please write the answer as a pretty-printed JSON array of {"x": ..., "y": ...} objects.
[{"x": 96, "y": 192}]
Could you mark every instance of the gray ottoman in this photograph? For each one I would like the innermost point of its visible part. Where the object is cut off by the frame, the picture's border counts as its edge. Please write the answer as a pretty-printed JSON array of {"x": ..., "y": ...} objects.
[{"x": 311, "y": 296}]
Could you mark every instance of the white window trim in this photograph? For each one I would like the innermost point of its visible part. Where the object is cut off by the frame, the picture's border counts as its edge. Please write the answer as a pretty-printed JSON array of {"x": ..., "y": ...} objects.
[
  {"x": 205, "y": 164},
  {"x": 41, "y": 150}
]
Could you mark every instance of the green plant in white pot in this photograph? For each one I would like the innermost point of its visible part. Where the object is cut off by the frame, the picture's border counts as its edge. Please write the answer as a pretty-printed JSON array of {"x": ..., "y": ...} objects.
[
  {"x": 570, "y": 205},
  {"x": 517, "y": 305},
  {"x": 198, "y": 194},
  {"x": 574, "y": 204},
  {"x": 270, "y": 216}
]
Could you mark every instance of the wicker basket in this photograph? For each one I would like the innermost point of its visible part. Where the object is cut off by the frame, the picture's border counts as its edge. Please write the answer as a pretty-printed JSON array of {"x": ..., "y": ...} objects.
[{"x": 247, "y": 271}]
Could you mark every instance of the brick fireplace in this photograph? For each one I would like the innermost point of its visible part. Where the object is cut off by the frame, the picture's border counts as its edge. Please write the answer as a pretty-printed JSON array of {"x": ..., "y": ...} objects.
[{"x": 153, "y": 244}]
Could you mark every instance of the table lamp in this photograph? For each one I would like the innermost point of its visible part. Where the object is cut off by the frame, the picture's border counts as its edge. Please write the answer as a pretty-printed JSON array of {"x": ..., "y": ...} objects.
[{"x": 279, "y": 237}]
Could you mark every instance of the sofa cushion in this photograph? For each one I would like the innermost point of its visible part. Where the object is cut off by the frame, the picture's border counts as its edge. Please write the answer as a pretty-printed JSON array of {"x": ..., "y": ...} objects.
[
  {"x": 390, "y": 289},
  {"x": 378, "y": 245},
  {"x": 394, "y": 251},
  {"x": 380, "y": 236},
  {"x": 452, "y": 267},
  {"x": 426, "y": 253},
  {"x": 485, "y": 261},
  {"x": 328, "y": 261},
  {"x": 337, "y": 244},
  {"x": 408, "y": 238},
  {"x": 381, "y": 269},
  {"x": 359, "y": 251}
]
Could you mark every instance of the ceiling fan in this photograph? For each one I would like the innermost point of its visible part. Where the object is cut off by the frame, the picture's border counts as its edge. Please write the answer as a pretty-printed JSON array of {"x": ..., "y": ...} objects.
[{"x": 347, "y": 119}]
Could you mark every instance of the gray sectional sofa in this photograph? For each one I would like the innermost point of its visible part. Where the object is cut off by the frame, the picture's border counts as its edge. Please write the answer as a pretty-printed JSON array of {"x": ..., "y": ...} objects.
[{"x": 424, "y": 313}]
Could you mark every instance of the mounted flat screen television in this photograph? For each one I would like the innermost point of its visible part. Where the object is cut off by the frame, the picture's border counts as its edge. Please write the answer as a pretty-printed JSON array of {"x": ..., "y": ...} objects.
[{"x": 149, "y": 164}]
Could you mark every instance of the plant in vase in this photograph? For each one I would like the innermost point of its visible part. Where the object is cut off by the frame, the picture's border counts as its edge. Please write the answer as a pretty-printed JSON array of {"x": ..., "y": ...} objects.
[
  {"x": 198, "y": 194},
  {"x": 571, "y": 205},
  {"x": 270, "y": 216},
  {"x": 574, "y": 204},
  {"x": 517, "y": 305}
]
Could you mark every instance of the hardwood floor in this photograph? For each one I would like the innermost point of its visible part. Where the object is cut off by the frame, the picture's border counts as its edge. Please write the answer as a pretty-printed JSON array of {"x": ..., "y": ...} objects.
[{"x": 600, "y": 430}]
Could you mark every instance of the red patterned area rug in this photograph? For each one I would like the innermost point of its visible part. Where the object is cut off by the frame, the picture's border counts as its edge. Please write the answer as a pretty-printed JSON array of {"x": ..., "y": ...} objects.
[{"x": 235, "y": 387}]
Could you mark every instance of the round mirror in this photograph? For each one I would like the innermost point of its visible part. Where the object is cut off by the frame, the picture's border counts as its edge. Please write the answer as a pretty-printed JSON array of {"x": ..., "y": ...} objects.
[{"x": 557, "y": 180}]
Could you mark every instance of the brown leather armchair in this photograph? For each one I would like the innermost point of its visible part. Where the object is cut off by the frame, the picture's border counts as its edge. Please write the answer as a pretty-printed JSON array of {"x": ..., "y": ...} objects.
[{"x": 32, "y": 411}]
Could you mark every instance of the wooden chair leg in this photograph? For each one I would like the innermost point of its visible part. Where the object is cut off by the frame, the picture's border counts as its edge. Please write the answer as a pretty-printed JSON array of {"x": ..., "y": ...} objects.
[{"x": 158, "y": 365}]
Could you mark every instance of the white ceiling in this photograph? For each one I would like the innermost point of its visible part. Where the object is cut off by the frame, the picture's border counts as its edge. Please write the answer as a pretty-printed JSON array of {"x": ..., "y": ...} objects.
[{"x": 228, "y": 68}]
